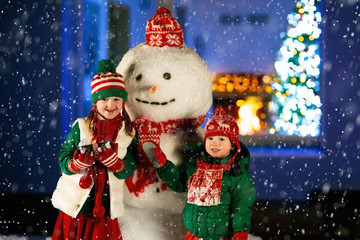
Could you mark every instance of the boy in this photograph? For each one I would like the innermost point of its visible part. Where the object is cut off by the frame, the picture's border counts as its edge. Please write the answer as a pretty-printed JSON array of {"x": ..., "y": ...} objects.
[{"x": 220, "y": 191}]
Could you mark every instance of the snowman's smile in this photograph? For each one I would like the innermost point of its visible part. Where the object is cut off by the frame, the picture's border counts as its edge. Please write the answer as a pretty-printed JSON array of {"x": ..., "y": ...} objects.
[{"x": 155, "y": 103}]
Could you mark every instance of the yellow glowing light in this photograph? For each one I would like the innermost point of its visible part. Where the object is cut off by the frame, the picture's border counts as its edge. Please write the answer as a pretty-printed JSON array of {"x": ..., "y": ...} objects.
[
  {"x": 255, "y": 121},
  {"x": 293, "y": 80},
  {"x": 240, "y": 102},
  {"x": 248, "y": 121},
  {"x": 311, "y": 38},
  {"x": 242, "y": 83},
  {"x": 271, "y": 104},
  {"x": 214, "y": 87},
  {"x": 229, "y": 87},
  {"x": 268, "y": 89},
  {"x": 221, "y": 88},
  {"x": 223, "y": 80},
  {"x": 301, "y": 38},
  {"x": 277, "y": 80},
  {"x": 301, "y": 10},
  {"x": 266, "y": 79}
]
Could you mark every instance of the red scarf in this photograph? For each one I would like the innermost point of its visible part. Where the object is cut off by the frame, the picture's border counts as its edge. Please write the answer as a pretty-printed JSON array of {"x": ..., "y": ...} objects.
[
  {"x": 105, "y": 131},
  {"x": 146, "y": 172},
  {"x": 204, "y": 186}
]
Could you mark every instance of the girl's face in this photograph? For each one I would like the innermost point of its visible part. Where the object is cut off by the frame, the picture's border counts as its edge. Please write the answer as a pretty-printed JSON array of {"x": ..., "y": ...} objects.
[
  {"x": 218, "y": 146},
  {"x": 109, "y": 107}
]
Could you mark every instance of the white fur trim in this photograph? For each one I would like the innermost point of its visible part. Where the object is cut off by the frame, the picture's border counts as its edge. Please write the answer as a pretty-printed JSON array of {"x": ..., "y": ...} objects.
[
  {"x": 123, "y": 141},
  {"x": 69, "y": 197},
  {"x": 116, "y": 190},
  {"x": 85, "y": 133}
]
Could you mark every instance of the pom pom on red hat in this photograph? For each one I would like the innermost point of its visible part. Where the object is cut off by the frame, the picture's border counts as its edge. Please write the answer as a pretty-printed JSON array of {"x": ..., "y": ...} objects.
[
  {"x": 222, "y": 124},
  {"x": 163, "y": 30}
]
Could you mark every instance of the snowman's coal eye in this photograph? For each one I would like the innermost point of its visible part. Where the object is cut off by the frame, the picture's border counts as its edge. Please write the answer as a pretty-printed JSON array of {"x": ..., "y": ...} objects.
[
  {"x": 167, "y": 76},
  {"x": 139, "y": 77}
]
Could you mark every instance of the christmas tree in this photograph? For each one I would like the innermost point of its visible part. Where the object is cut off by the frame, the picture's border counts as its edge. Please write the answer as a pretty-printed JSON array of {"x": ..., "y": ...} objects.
[{"x": 296, "y": 102}]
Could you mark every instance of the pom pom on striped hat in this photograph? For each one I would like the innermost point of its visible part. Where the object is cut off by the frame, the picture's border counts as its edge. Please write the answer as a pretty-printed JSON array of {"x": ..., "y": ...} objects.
[{"x": 107, "y": 82}]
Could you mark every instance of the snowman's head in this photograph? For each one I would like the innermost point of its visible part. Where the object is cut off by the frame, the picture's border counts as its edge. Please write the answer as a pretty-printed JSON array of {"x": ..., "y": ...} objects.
[{"x": 165, "y": 83}]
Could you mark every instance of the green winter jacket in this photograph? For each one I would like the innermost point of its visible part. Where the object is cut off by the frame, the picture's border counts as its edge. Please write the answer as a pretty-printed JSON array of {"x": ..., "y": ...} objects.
[{"x": 233, "y": 213}]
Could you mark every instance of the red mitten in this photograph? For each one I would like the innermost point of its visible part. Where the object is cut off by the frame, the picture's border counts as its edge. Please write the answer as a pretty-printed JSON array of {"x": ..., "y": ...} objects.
[
  {"x": 147, "y": 131},
  {"x": 154, "y": 154},
  {"x": 81, "y": 160},
  {"x": 109, "y": 158},
  {"x": 240, "y": 236},
  {"x": 160, "y": 157}
]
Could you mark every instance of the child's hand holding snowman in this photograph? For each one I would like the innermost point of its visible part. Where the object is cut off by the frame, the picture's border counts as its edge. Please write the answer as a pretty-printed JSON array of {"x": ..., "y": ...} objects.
[
  {"x": 108, "y": 156},
  {"x": 155, "y": 155}
]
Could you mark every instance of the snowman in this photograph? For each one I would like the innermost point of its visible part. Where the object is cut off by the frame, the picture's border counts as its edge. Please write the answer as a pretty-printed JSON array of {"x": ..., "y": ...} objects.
[{"x": 170, "y": 89}]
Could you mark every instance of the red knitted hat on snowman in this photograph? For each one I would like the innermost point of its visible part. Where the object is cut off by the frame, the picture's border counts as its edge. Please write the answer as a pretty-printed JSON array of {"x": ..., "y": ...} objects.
[
  {"x": 163, "y": 30},
  {"x": 222, "y": 124}
]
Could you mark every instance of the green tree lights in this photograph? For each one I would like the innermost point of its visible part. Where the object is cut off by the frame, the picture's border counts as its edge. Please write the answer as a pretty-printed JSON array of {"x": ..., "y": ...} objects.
[{"x": 296, "y": 103}]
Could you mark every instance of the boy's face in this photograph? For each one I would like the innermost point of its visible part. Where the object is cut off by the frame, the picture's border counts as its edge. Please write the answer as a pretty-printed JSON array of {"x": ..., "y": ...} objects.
[
  {"x": 218, "y": 146},
  {"x": 109, "y": 107}
]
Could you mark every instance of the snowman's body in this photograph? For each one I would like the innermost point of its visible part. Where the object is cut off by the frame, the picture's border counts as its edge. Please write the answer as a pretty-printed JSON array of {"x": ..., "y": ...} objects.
[{"x": 163, "y": 83}]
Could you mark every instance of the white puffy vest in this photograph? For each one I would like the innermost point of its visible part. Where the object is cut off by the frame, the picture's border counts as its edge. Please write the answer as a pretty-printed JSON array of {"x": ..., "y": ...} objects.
[{"x": 69, "y": 197}]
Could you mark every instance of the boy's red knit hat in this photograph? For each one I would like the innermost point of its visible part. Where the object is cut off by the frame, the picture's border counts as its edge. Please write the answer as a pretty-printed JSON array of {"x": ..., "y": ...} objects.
[
  {"x": 163, "y": 30},
  {"x": 222, "y": 124}
]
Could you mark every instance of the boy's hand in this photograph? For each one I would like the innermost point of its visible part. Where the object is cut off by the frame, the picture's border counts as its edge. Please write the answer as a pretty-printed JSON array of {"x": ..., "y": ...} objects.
[
  {"x": 107, "y": 156},
  {"x": 155, "y": 155},
  {"x": 240, "y": 236},
  {"x": 81, "y": 160},
  {"x": 160, "y": 156}
]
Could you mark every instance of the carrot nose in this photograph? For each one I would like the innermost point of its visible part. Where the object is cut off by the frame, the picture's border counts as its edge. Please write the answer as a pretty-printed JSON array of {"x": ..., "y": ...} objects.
[{"x": 153, "y": 89}]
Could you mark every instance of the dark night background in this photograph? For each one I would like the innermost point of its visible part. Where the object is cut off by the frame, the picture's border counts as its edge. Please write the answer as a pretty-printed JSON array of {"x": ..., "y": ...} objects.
[{"x": 301, "y": 196}]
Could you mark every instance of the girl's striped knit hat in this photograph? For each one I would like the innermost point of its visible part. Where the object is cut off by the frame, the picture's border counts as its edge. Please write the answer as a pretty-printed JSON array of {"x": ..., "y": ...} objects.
[{"x": 107, "y": 82}]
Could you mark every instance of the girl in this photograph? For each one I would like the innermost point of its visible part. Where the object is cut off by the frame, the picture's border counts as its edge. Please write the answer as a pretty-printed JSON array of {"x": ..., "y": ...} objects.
[{"x": 94, "y": 159}]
